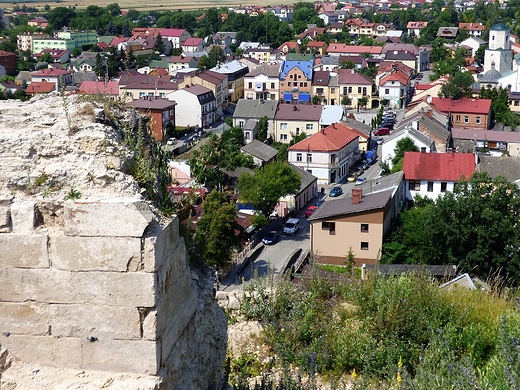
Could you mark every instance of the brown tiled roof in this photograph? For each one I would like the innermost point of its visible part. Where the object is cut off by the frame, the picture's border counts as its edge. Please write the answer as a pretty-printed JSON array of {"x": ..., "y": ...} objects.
[
  {"x": 304, "y": 112},
  {"x": 156, "y": 103},
  {"x": 350, "y": 76}
]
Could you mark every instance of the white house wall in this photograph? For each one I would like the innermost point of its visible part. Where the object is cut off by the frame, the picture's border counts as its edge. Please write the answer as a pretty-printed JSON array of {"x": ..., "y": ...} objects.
[
  {"x": 424, "y": 189},
  {"x": 388, "y": 147}
]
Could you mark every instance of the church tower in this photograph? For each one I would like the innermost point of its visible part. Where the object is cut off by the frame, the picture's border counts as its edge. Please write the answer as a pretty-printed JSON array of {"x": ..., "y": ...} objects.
[{"x": 499, "y": 55}]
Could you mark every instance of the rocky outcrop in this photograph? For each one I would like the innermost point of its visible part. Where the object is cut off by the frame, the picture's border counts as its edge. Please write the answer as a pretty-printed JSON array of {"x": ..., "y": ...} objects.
[{"x": 93, "y": 277}]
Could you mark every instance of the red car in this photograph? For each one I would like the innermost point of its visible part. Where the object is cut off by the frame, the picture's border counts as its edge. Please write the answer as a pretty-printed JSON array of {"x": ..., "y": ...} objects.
[
  {"x": 382, "y": 131},
  {"x": 310, "y": 210}
]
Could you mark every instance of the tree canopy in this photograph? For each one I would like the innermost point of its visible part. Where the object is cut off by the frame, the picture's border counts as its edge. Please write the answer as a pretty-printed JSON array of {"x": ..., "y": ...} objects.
[
  {"x": 218, "y": 232},
  {"x": 268, "y": 184},
  {"x": 474, "y": 227},
  {"x": 457, "y": 86}
]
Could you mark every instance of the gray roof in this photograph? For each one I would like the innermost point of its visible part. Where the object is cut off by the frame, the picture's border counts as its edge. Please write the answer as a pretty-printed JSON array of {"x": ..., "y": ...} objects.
[
  {"x": 329, "y": 60},
  {"x": 270, "y": 70},
  {"x": 431, "y": 124},
  {"x": 79, "y": 77},
  {"x": 384, "y": 183},
  {"x": 414, "y": 133},
  {"x": 344, "y": 206},
  {"x": 507, "y": 166},
  {"x": 256, "y": 108},
  {"x": 307, "y": 178},
  {"x": 260, "y": 150},
  {"x": 251, "y": 124},
  {"x": 360, "y": 126}
]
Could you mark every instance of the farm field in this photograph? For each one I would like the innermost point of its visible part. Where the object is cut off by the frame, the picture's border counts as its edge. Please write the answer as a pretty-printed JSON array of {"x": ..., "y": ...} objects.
[{"x": 143, "y": 6}]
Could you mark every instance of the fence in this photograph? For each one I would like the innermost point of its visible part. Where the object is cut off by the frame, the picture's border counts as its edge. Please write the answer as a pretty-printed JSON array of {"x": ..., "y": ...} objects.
[{"x": 299, "y": 261}]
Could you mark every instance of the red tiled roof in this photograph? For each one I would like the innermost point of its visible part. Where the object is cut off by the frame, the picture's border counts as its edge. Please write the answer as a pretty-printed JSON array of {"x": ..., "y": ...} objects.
[
  {"x": 398, "y": 76},
  {"x": 464, "y": 105},
  {"x": 50, "y": 72},
  {"x": 438, "y": 166},
  {"x": 342, "y": 48},
  {"x": 40, "y": 87},
  {"x": 172, "y": 32},
  {"x": 472, "y": 26},
  {"x": 417, "y": 25},
  {"x": 192, "y": 42},
  {"x": 332, "y": 138},
  {"x": 316, "y": 44},
  {"x": 99, "y": 87}
]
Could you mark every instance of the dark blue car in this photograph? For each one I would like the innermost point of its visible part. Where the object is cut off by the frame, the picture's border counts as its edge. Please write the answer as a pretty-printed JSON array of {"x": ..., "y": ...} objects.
[{"x": 336, "y": 191}]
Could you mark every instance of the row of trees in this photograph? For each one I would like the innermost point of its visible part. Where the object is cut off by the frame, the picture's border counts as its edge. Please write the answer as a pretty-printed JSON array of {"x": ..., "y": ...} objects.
[{"x": 474, "y": 227}]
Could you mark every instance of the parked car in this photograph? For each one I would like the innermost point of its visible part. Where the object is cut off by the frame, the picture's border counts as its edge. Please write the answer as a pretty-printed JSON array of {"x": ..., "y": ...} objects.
[
  {"x": 388, "y": 119},
  {"x": 361, "y": 180},
  {"x": 319, "y": 203},
  {"x": 171, "y": 141},
  {"x": 310, "y": 210},
  {"x": 352, "y": 178},
  {"x": 335, "y": 192},
  {"x": 382, "y": 131},
  {"x": 291, "y": 226},
  {"x": 380, "y": 141},
  {"x": 389, "y": 125},
  {"x": 271, "y": 238}
]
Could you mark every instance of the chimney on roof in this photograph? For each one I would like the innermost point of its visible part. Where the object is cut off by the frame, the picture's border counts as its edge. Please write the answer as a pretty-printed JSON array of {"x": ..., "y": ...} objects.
[
  {"x": 294, "y": 108},
  {"x": 357, "y": 194},
  {"x": 429, "y": 99}
]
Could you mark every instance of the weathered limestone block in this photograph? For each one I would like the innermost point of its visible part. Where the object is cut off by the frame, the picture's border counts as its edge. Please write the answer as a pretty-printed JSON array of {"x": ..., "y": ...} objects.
[
  {"x": 23, "y": 217},
  {"x": 23, "y": 251},
  {"x": 139, "y": 356},
  {"x": 133, "y": 289},
  {"x": 111, "y": 218},
  {"x": 53, "y": 351},
  {"x": 5, "y": 214},
  {"x": 177, "y": 324},
  {"x": 28, "y": 318},
  {"x": 98, "y": 321},
  {"x": 160, "y": 243},
  {"x": 172, "y": 269},
  {"x": 179, "y": 293},
  {"x": 96, "y": 253}
]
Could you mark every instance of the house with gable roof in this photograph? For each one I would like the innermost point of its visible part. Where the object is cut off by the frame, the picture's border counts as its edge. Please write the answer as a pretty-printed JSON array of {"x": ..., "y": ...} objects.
[
  {"x": 176, "y": 36},
  {"x": 182, "y": 62},
  {"x": 262, "y": 83},
  {"x": 293, "y": 119},
  {"x": 327, "y": 154},
  {"x": 191, "y": 45},
  {"x": 419, "y": 139},
  {"x": 394, "y": 84},
  {"x": 60, "y": 78},
  {"x": 296, "y": 81},
  {"x": 357, "y": 223},
  {"x": 161, "y": 112},
  {"x": 474, "y": 29},
  {"x": 217, "y": 82},
  {"x": 196, "y": 106},
  {"x": 58, "y": 56},
  {"x": 414, "y": 28},
  {"x": 325, "y": 85},
  {"x": 355, "y": 86},
  {"x": 432, "y": 174},
  {"x": 466, "y": 112},
  {"x": 249, "y": 112}
]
